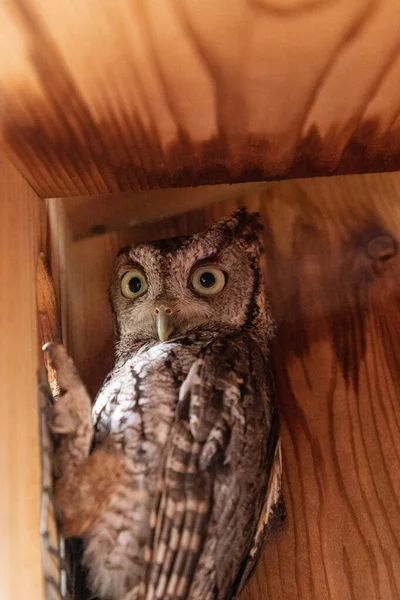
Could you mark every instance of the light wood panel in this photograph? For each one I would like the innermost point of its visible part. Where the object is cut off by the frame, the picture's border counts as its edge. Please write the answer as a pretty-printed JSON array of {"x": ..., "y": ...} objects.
[
  {"x": 20, "y": 542},
  {"x": 331, "y": 250},
  {"x": 106, "y": 96},
  {"x": 333, "y": 272}
]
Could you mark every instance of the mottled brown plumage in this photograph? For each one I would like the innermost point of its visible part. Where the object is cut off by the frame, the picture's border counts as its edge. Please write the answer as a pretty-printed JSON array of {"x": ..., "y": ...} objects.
[{"x": 175, "y": 479}]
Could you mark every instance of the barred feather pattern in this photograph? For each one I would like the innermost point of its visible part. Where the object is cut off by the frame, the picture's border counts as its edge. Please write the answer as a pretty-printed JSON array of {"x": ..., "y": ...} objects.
[{"x": 197, "y": 456}]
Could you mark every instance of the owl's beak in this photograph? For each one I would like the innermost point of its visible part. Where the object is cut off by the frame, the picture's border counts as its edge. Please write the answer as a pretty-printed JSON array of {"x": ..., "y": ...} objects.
[{"x": 164, "y": 321}]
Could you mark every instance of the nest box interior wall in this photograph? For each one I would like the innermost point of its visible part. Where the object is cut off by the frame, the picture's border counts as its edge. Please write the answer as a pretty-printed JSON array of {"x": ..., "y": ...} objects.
[
  {"x": 21, "y": 218},
  {"x": 332, "y": 271}
]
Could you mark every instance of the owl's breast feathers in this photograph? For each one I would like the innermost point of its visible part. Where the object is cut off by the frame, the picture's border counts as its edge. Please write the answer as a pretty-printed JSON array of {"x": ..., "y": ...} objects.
[{"x": 198, "y": 424}]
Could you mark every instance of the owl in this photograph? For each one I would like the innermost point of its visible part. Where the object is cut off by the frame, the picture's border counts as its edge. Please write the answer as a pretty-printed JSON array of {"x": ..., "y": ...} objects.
[{"x": 173, "y": 478}]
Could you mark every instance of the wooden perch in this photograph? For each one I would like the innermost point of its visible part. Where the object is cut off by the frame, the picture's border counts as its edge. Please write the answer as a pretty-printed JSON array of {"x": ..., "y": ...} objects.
[{"x": 48, "y": 316}]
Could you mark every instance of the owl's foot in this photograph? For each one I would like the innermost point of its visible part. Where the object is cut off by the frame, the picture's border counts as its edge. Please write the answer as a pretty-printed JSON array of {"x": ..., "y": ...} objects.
[{"x": 71, "y": 415}]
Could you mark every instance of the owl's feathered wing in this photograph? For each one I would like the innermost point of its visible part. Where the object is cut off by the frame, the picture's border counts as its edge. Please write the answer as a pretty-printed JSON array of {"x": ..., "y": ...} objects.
[{"x": 220, "y": 482}]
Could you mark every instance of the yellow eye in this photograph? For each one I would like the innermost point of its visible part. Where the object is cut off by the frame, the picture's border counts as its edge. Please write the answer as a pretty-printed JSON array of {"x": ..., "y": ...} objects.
[
  {"x": 133, "y": 284},
  {"x": 208, "y": 280}
]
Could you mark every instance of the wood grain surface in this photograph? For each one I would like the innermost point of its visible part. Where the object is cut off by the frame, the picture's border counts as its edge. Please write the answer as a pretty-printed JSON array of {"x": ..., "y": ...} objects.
[
  {"x": 20, "y": 542},
  {"x": 104, "y": 96},
  {"x": 333, "y": 275}
]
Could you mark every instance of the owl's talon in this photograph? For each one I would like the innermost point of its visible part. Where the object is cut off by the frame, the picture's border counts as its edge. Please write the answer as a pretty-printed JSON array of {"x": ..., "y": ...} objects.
[
  {"x": 67, "y": 375},
  {"x": 72, "y": 411},
  {"x": 61, "y": 421},
  {"x": 70, "y": 416},
  {"x": 60, "y": 429}
]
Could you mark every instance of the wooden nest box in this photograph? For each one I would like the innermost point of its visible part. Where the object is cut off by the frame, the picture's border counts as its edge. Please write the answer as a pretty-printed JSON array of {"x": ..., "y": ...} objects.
[{"x": 133, "y": 120}]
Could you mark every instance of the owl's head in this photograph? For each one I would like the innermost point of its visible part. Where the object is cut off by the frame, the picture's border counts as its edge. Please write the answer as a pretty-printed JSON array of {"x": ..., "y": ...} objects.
[{"x": 208, "y": 281}]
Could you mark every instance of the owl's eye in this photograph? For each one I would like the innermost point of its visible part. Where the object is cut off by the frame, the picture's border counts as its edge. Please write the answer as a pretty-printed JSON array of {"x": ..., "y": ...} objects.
[
  {"x": 133, "y": 284},
  {"x": 208, "y": 280}
]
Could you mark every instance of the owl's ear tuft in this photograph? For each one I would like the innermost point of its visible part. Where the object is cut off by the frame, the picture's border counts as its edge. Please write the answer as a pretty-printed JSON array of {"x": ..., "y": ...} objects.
[
  {"x": 242, "y": 225},
  {"x": 123, "y": 250},
  {"x": 247, "y": 224}
]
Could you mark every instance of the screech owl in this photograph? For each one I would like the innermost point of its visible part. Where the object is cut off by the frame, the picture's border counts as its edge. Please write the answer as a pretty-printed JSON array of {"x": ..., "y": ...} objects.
[{"x": 173, "y": 479}]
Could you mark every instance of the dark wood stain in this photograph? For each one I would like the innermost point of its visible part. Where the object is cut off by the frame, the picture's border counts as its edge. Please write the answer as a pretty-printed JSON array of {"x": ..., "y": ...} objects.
[
  {"x": 71, "y": 169},
  {"x": 352, "y": 301},
  {"x": 64, "y": 151}
]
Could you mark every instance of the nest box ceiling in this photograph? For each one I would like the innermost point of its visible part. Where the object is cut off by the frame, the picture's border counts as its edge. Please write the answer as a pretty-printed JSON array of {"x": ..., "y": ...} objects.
[{"x": 107, "y": 96}]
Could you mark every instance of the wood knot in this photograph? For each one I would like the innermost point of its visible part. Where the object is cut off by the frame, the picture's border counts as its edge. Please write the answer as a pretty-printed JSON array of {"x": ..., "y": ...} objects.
[{"x": 382, "y": 247}]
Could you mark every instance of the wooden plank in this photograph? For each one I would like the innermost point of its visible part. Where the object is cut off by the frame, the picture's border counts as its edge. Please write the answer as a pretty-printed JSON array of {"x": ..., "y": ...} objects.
[
  {"x": 94, "y": 215},
  {"x": 102, "y": 97},
  {"x": 333, "y": 274},
  {"x": 20, "y": 543},
  {"x": 334, "y": 278}
]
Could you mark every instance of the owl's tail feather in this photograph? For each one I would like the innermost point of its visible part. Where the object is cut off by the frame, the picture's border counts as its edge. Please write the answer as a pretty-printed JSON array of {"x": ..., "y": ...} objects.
[{"x": 179, "y": 521}]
